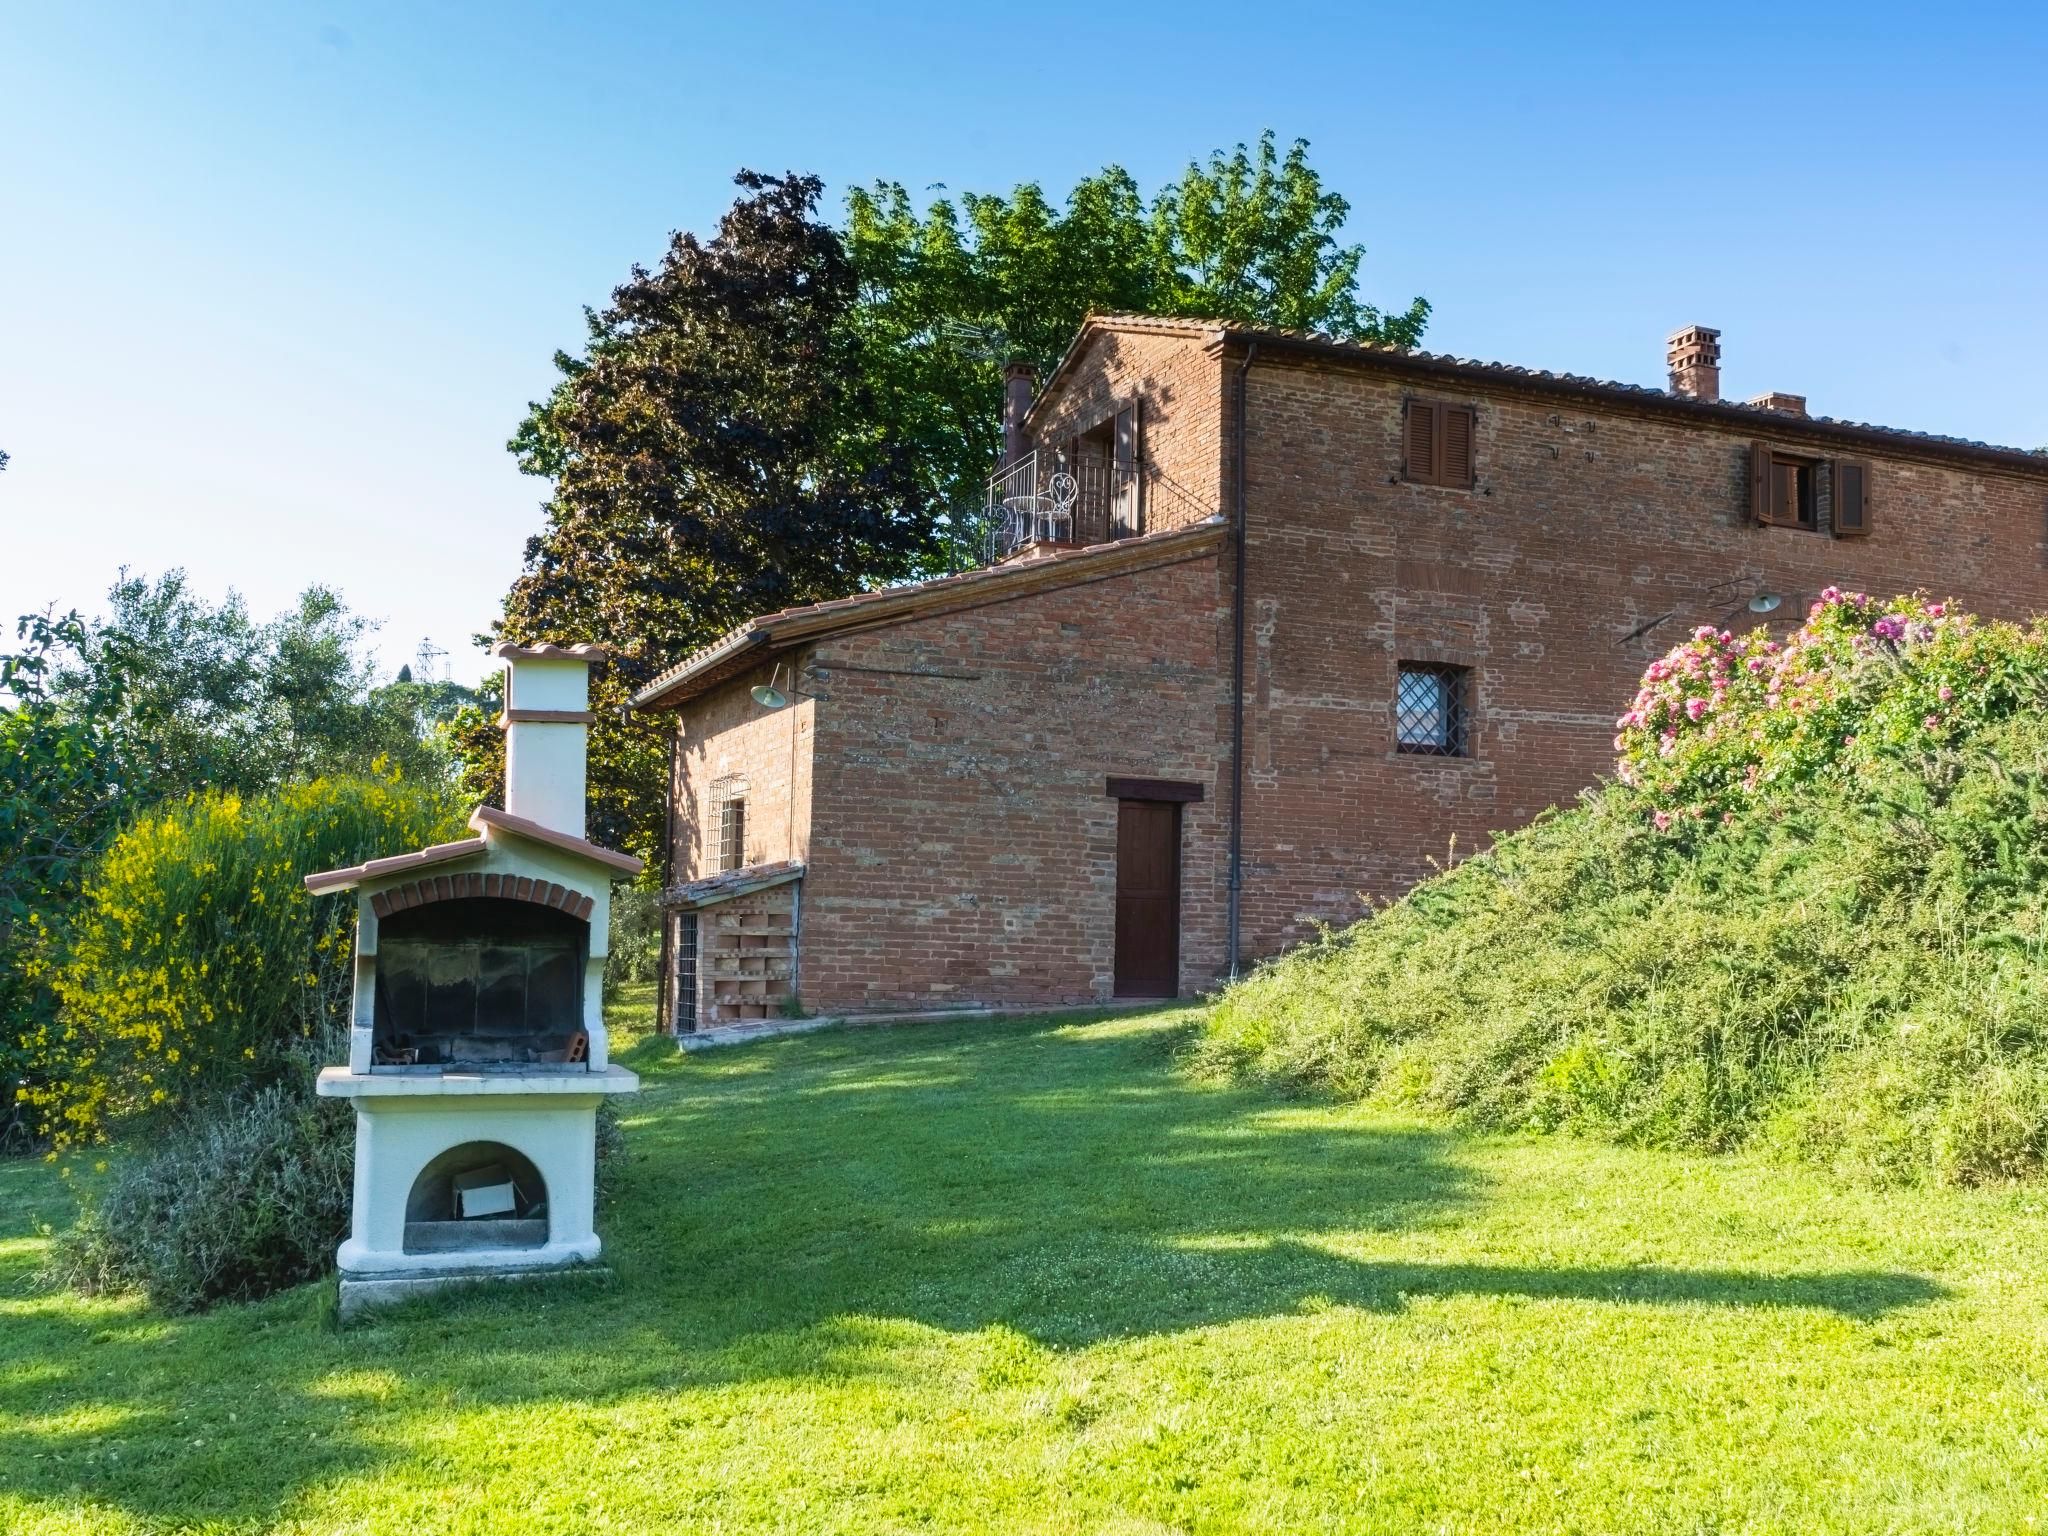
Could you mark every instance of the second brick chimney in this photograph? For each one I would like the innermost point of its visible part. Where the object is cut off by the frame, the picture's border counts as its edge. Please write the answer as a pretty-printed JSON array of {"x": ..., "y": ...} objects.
[
  {"x": 1020, "y": 383},
  {"x": 1694, "y": 356}
]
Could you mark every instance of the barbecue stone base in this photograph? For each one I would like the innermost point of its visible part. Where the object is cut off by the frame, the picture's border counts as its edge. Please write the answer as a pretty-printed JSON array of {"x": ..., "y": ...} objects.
[
  {"x": 407, "y": 1118},
  {"x": 362, "y": 1294}
]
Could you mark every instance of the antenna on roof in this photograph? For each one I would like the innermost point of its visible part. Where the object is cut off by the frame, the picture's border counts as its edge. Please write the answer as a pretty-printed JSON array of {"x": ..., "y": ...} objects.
[{"x": 987, "y": 342}]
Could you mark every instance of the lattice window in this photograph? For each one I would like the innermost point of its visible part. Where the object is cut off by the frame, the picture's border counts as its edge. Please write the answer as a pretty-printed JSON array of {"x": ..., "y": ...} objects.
[{"x": 1430, "y": 710}]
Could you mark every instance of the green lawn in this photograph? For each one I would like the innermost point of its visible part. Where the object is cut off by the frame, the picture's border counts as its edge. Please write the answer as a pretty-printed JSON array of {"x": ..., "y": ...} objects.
[{"x": 1028, "y": 1276}]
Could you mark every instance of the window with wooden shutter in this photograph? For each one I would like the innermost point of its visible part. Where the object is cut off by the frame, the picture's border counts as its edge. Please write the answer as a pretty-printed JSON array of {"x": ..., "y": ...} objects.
[
  {"x": 1436, "y": 444},
  {"x": 1851, "y": 479},
  {"x": 1781, "y": 488}
]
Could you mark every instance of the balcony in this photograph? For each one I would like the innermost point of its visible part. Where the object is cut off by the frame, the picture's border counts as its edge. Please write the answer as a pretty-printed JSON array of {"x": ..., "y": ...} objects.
[{"x": 1048, "y": 501}]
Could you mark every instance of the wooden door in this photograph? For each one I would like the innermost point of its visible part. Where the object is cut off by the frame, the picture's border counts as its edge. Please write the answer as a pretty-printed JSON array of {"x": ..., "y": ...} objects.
[{"x": 1147, "y": 898}]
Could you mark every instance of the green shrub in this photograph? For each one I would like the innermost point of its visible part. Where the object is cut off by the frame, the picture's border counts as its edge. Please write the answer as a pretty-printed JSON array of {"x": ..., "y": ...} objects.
[
  {"x": 634, "y": 947},
  {"x": 197, "y": 961},
  {"x": 1826, "y": 939},
  {"x": 230, "y": 1203}
]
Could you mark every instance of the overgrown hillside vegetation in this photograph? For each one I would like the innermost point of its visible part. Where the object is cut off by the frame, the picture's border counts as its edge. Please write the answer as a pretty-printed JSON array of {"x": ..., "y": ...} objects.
[{"x": 1807, "y": 914}]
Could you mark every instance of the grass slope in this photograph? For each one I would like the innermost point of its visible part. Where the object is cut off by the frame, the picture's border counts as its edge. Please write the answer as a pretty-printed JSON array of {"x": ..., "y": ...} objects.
[
  {"x": 1031, "y": 1276},
  {"x": 1853, "y": 972}
]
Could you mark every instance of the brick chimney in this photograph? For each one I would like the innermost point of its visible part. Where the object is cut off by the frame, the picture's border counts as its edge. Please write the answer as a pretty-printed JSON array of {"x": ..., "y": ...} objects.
[
  {"x": 547, "y": 727},
  {"x": 1020, "y": 383},
  {"x": 1778, "y": 400},
  {"x": 1694, "y": 356}
]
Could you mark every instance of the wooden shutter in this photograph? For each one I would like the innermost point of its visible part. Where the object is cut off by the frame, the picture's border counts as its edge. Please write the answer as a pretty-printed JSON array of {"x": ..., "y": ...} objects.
[
  {"x": 1760, "y": 480},
  {"x": 1454, "y": 438},
  {"x": 1852, "y": 498},
  {"x": 1418, "y": 443},
  {"x": 1124, "y": 457}
]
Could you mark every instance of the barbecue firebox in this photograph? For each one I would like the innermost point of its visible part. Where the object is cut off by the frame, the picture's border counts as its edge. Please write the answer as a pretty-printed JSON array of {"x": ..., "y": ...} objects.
[{"x": 478, "y": 1054}]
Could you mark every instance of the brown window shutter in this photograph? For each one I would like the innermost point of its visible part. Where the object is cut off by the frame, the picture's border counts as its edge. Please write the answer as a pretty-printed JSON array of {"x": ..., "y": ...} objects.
[
  {"x": 1124, "y": 461},
  {"x": 1419, "y": 441},
  {"x": 1852, "y": 499},
  {"x": 1760, "y": 480},
  {"x": 1455, "y": 433}
]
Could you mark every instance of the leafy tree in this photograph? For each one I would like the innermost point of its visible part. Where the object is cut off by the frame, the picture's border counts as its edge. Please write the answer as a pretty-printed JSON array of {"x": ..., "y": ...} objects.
[
  {"x": 212, "y": 699},
  {"x": 951, "y": 293},
  {"x": 60, "y": 794},
  {"x": 167, "y": 697},
  {"x": 720, "y": 452}
]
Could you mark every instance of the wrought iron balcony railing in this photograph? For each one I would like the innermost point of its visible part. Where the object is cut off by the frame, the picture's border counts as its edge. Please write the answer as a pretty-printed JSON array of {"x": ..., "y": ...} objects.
[{"x": 1044, "y": 498}]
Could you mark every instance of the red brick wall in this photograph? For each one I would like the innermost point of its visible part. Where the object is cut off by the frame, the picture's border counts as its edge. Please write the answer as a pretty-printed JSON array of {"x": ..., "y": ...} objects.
[
  {"x": 964, "y": 850},
  {"x": 1178, "y": 381},
  {"x": 724, "y": 733},
  {"x": 1583, "y": 524}
]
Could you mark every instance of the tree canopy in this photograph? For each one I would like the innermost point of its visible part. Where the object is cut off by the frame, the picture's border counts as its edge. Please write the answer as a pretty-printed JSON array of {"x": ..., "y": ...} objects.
[
  {"x": 953, "y": 291},
  {"x": 719, "y": 452}
]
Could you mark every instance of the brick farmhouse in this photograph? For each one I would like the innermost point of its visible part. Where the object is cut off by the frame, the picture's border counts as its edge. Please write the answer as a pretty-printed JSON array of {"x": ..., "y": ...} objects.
[{"x": 1301, "y": 616}]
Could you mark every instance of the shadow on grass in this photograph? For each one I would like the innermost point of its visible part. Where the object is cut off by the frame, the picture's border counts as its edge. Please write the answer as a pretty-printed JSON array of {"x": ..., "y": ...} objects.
[{"x": 787, "y": 1211}]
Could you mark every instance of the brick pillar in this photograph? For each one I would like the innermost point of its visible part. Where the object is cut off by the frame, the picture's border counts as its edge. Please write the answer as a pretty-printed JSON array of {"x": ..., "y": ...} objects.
[
  {"x": 1020, "y": 383},
  {"x": 1694, "y": 357}
]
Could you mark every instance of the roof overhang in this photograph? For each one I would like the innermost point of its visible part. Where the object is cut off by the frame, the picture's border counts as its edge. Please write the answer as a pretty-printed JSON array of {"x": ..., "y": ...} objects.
[
  {"x": 491, "y": 825},
  {"x": 713, "y": 889},
  {"x": 771, "y": 634}
]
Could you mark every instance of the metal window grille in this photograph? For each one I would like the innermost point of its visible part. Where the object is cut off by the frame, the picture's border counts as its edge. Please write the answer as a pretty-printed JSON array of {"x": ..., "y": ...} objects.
[
  {"x": 683, "y": 1012},
  {"x": 1430, "y": 713},
  {"x": 732, "y": 834},
  {"x": 727, "y": 815}
]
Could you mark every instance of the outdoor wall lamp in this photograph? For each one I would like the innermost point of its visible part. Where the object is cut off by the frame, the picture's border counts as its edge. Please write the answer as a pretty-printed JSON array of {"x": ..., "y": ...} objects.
[{"x": 768, "y": 696}]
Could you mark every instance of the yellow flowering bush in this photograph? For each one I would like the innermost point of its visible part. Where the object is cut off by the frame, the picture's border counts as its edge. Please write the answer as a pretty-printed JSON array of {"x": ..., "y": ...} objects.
[{"x": 198, "y": 962}]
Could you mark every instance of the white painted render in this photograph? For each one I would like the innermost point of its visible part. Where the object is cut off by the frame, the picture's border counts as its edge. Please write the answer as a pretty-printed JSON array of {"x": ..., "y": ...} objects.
[{"x": 545, "y": 760}]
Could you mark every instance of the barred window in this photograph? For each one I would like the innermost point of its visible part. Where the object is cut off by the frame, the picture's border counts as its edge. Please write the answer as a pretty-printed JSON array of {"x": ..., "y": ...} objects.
[
  {"x": 1430, "y": 710},
  {"x": 728, "y": 842},
  {"x": 732, "y": 833}
]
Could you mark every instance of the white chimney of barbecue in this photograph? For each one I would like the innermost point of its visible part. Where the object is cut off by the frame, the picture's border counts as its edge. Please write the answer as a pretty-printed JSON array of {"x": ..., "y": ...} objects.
[{"x": 547, "y": 732}]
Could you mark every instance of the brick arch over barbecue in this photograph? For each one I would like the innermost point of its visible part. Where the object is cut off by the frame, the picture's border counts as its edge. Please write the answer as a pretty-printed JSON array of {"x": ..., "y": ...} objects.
[{"x": 430, "y": 888}]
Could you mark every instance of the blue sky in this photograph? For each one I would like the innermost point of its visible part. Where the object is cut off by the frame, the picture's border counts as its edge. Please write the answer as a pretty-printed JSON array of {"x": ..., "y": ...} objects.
[{"x": 276, "y": 281}]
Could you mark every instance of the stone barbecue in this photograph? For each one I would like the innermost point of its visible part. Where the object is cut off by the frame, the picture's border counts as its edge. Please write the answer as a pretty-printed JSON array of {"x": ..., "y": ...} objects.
[{"x": 477, "y": 1049}]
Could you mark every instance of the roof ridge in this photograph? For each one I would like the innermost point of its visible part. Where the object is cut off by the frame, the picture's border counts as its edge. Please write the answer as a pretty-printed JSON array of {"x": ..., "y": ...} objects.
[{"x": 1517, "y": 371}]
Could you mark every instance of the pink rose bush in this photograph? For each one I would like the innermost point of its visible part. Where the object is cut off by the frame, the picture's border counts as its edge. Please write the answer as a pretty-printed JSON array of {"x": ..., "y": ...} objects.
[{"x": 1722, "y": 719}]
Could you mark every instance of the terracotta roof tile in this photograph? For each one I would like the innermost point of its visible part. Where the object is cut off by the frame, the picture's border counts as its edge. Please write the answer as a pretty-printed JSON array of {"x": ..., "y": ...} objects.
[{"x": 1368, "y": 351}]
